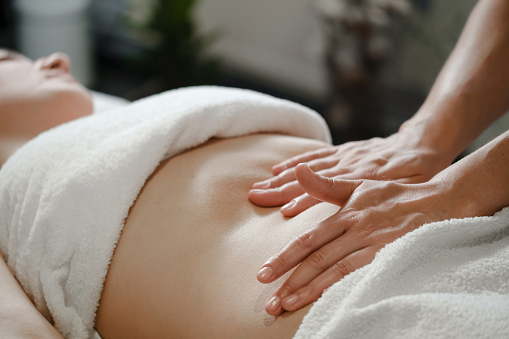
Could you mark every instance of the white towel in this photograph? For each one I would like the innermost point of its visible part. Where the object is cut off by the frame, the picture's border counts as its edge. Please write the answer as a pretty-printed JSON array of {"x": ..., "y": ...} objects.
[
  {"x": 64, "y": 196},
  {"x": 447, "y": 279}
]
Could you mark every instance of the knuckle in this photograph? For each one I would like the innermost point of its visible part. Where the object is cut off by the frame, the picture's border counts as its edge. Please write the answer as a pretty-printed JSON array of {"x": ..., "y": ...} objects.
[
  {"x": 318, "y": 261},
  {"x": 281, "y": 189},
  {"x": 341, "y": 269},
  {"x": 329, "y": 188},
  {"x": 277, "y": 194},
  {"x": 326, "y": 163},
  {"x": 269, "y": 183},
  {"x": 274, "y": 183},
  {"x": 305, "y": 241},
  {"x": 380, "y": 161},
  {"x": 286, "y": 173},
  {"x": 285, "y": 192},
  {"x": 311, "y": 292},
  {"x": 330, "y": 183},
  {"x": 288, "y": 288},
  {"x": 367, "y": 233},
  {"x": 278, "y": 261}
]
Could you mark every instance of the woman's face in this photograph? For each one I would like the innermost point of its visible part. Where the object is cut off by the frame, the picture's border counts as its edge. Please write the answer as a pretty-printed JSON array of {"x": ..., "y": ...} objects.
[{"x": 38, "y": 95}]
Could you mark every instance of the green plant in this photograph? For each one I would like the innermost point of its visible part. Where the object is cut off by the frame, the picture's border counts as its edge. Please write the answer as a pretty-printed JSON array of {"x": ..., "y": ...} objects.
[{"x": 178, "y": 55}]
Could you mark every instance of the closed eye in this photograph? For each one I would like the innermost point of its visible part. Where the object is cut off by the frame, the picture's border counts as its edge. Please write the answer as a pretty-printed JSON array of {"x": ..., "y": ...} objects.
[{"x": 7, "y": 55}]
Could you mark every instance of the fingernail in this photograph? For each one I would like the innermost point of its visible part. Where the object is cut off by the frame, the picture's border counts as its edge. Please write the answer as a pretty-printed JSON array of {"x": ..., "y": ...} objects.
[
  {"x": 261, "y": 185},
  {"x": 273, "y": 304},
  {"x": 289, "y": 205},
  {"x": 264, "y": 274},
  {"x": 291, "y": 300}
]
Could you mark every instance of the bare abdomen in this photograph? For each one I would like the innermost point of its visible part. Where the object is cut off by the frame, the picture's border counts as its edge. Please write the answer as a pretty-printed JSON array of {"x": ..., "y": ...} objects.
[{"x": 186, "y": 263}]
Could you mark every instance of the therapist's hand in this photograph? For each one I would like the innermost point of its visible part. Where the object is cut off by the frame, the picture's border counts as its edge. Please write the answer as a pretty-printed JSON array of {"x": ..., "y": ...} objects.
[
  {"x": 398, "y": 157},
  {"x": 374, "y": 213}
]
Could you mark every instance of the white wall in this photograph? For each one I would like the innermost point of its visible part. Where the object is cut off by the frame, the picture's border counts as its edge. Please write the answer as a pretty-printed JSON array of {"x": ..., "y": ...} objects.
[
  {"x": 275, "y": 41},
  {"x": 425, "y": 52},
  {"x": 430, "y": 38},
  {"x": 278, "y": 41}
]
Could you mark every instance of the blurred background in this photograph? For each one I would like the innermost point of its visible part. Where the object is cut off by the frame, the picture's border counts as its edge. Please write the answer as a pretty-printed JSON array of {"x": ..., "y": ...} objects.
[{"x": 365, "y": 65}]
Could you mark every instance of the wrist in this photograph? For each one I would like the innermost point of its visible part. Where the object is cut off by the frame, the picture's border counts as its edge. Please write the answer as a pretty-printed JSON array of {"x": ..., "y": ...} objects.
[
  {"x": 476, "y": 185},
  {"x": 442, "y": 125},
  {"x": 454, "y": 196},
  {"x": 421, "y": 134}
]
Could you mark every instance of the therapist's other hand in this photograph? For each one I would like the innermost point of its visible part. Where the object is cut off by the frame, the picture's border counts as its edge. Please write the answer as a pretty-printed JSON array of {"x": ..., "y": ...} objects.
[
  {"x": 374, "y": 213},
  {"x": 398, "y": 157}
]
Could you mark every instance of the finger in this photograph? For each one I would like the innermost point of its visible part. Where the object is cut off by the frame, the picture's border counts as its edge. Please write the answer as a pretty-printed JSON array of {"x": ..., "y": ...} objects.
[
  {"x": 312, "y": 291},
  {"x": 304, "y": 157},
  {"x": 282, "y": 178},
  {"x": 288, "y": 175},
  {"x": 298, "y": 205},
  {"x": 312, "y": 267},
  {"x": 275, "y": 196},
  {"x": 320, "y": 261},
  {"x": 299, "y": 248},
  {"x": 291, "y": 296},
  {"x": 334, "y": 191}
]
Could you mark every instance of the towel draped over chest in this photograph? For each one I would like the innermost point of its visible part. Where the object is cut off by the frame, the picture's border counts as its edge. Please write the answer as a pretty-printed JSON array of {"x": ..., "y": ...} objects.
[{"x": 65, "y": 195}]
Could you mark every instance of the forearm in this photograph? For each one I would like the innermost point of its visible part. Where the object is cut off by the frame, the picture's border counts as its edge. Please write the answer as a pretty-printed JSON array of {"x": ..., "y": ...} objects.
[
  {"x": 18, "y": 316},
  {"x": 472, "y": 89},
  {"x": 477, "y": 184}
]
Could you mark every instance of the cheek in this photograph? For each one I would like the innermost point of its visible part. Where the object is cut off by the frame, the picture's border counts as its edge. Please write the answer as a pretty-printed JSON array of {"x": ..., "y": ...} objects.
[
  {"x": 18, "y": 79},
  {"x": 18, "y": 91}
]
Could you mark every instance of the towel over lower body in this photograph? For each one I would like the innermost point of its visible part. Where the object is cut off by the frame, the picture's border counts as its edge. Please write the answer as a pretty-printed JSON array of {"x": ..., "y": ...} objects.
[{"x": 64, "y": 198}]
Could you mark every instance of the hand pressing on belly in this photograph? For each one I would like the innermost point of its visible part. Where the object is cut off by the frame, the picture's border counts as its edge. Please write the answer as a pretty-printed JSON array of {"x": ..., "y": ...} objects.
[
  {"x": 373, "y": 214},
  {"x": 398, "y": 157}
]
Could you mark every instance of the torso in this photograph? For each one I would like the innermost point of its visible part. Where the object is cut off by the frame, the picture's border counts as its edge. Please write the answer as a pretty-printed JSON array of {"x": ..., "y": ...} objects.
[{"x": 186, "y": 263}]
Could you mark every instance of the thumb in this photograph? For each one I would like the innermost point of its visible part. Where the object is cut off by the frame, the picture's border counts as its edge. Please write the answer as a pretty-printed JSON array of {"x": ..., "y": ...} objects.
[{"x": 334, "y": 191}]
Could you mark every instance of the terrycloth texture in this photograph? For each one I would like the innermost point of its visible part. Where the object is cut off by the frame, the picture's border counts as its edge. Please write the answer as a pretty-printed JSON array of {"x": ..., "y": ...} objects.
[
  {"x": 65, "y": 195},
  {"x": 447, "y": 279}
]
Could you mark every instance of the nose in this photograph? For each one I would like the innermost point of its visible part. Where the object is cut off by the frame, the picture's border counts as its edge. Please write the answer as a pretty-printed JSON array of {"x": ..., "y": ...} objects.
[{"x": 54, "y": 61}]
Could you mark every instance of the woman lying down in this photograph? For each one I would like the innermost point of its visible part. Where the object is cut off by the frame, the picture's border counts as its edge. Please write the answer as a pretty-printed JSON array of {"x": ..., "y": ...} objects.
[
  {"x": 136, "y": 224},
  {"x": 189, "y": 241}
]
